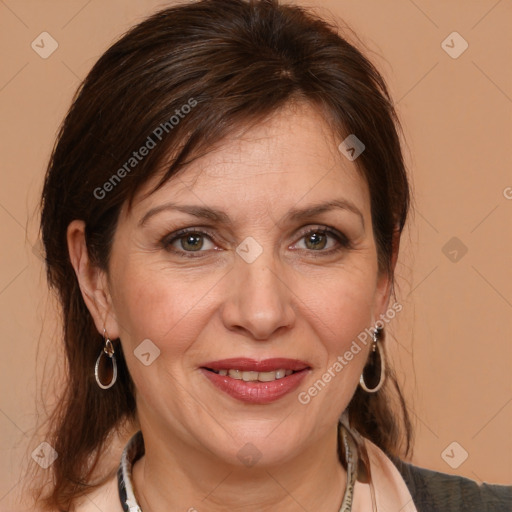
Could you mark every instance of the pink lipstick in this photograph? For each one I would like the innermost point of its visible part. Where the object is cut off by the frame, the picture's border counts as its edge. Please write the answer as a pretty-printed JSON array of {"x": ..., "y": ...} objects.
[{"x": 256, "y": 381}]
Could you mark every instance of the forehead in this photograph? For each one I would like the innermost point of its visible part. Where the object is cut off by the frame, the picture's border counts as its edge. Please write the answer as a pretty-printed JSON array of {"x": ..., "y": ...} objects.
[{"x": 291, "y": 157}]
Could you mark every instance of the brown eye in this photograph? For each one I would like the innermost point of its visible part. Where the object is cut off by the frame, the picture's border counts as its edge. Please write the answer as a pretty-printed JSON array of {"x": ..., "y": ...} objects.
[
  {"x": 193, "y": 242},
  {"x": 188, "y": 241},
  {"x": 324, "y": 241},
  {"x": 316, "y": 240}
]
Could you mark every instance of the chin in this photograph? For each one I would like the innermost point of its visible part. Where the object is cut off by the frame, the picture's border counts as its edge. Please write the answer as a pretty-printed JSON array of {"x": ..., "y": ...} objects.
[{"x": 264, "y": 447}]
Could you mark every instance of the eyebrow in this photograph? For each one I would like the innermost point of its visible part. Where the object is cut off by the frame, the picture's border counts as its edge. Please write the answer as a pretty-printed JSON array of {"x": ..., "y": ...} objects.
[{"x": 295, "y": 214}]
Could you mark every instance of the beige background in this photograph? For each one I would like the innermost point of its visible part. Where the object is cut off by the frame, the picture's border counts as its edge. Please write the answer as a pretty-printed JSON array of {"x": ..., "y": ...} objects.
[{"x": 450, "y": 344}]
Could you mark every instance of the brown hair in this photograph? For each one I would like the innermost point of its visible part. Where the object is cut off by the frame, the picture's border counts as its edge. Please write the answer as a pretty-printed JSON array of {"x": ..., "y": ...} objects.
[{"x": 234, "y": 63}]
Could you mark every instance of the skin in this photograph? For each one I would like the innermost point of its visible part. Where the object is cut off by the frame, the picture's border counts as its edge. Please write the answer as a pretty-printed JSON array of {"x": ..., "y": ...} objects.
[{"x": 287, "y": 303}]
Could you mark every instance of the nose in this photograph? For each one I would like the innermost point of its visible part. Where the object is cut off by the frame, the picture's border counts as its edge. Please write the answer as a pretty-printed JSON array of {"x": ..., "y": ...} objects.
[{"x": 260, "y": 300}]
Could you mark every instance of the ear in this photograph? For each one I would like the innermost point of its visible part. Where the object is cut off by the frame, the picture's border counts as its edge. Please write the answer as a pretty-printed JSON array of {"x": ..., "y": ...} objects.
[
  {"x": 92, "y": 280},
  {"x": 384, "y": 281}
]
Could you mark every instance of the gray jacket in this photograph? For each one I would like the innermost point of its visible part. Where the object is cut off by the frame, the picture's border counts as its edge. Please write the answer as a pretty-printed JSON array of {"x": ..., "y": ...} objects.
[{"x": 433, "y": 491}]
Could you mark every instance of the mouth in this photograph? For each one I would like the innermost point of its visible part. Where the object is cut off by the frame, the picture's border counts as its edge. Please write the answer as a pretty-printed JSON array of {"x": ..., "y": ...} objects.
[
  {"x": 250, "y": 370},
  {"x": 253, "y": 376},
  {"x": 257, "y": 382}
]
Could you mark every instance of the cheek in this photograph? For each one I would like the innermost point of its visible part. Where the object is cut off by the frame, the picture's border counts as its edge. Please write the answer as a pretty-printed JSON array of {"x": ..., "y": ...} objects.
[
  {"x": 340, "y": 313},
  {"x": 343, "y": 306},
  {"x": 162, "y": 307}
]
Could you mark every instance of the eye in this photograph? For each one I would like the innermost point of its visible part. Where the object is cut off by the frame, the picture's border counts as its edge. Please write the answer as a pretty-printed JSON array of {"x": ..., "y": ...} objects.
[
  {"x": 318, "y": 239},
  {"x": 188, "y": 241}
]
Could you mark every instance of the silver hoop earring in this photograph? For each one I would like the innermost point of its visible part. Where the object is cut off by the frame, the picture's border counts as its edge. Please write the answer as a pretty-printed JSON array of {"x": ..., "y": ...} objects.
[
  {"x": 376, "y": 362},
  {"x": 108, "y": 349}
]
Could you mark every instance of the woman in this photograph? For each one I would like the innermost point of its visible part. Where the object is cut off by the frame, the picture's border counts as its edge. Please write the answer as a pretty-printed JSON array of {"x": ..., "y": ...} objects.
[{"x": 221, "y": 217}]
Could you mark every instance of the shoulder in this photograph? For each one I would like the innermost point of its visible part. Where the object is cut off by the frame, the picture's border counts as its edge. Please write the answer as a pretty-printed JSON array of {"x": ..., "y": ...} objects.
[
  {"x": 442, "y": 492},
  {"x": 105, "y": 497}
]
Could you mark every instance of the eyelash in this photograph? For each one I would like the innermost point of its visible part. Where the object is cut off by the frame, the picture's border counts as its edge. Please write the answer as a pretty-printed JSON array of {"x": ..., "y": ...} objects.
[{"x": 343, "y": 242}]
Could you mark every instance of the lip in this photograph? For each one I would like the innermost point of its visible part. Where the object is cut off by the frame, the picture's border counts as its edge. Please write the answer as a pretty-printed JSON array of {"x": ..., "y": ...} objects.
[
  {"x": 256, "y": 392},
  {"x": 253, "y": 365}
]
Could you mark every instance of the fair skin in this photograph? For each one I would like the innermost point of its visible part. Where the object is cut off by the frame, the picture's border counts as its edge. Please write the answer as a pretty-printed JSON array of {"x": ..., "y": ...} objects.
[{"x": 286, "y": 303}]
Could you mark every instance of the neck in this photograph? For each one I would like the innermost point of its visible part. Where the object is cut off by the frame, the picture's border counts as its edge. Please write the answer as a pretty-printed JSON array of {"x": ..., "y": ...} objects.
[{"x": 174, "y": 476}]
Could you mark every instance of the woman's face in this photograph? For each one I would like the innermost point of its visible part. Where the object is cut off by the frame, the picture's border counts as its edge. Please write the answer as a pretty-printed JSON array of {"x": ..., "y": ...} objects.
[{"x": 259, "y": 279}]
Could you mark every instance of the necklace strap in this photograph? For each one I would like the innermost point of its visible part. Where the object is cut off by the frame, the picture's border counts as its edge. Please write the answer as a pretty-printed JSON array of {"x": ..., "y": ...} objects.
[
  {"x": 132, "y": 452},
  {"x": 352, "y": 466}
]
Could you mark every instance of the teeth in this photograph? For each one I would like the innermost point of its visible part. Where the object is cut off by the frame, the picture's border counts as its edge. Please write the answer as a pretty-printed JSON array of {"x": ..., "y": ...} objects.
[
  {"x": 280, "y": 374},
  {"x": 235, "y": 374},
  {"x": 267, "y": 376},
  {"x": 255, "y": 376},
  {"x": 250, "y": 376}
]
